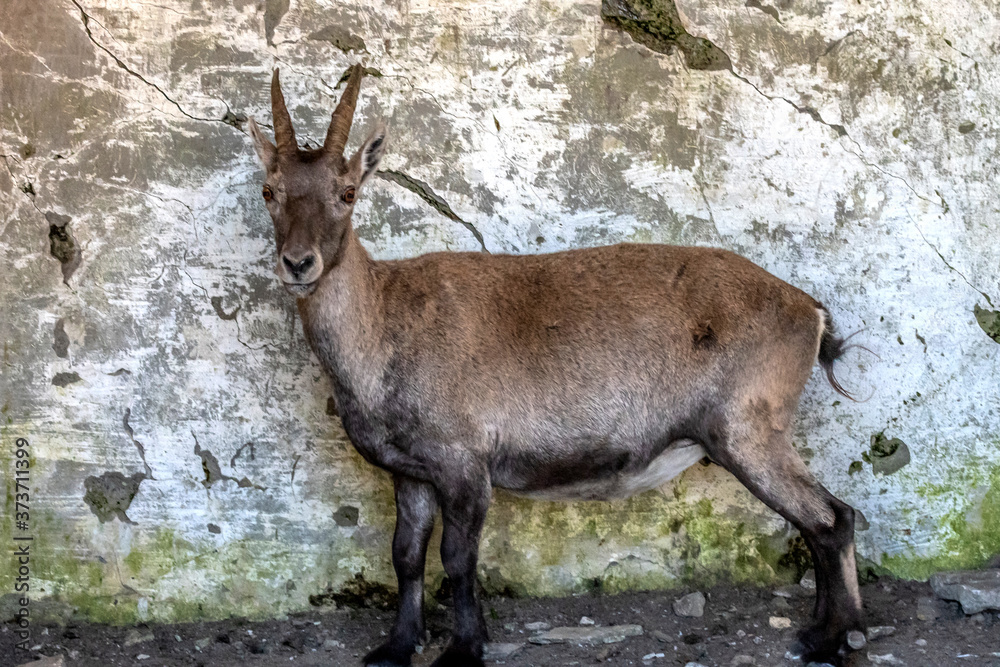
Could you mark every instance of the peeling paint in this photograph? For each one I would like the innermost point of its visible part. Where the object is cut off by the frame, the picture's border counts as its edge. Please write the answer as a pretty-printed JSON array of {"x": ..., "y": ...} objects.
[
  {"x": 989, "y": 321},
  {"x": 66, "y": 379},
  {"x": 657, "y": 24},
  {"x": 60, "y": 340},
  {"x": 109, "y": 495},
  {"x": 886, "y": 455},
  {"x": 62, "y": 245}
]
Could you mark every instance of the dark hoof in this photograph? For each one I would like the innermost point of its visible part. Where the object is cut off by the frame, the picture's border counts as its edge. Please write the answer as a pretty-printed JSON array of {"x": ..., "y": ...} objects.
[
  {"x": 454, "y": 657},
  {"x": 389, "y": 655},
  {"x": 818, "y": 646}
]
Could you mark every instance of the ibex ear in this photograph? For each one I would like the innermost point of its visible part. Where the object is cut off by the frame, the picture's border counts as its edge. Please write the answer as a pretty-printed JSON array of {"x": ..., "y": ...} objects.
[
  {"x": 266, "y": 151},
  {"x": 366, "y": 160}
]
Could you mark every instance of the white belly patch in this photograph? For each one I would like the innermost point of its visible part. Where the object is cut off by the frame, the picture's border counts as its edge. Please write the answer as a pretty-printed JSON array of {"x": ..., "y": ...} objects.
[{"x": 677, "y": 458}]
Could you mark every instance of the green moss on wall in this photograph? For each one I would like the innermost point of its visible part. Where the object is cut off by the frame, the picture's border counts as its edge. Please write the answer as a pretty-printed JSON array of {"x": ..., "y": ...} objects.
[{"x": 974, "y": 535}]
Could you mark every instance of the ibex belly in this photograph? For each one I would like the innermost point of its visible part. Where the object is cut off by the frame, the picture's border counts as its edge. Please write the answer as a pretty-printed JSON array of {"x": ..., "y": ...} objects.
[{"x": 678, "y": 457}]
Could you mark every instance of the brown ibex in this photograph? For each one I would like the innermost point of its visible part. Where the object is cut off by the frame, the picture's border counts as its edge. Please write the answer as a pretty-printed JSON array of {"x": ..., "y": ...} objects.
[{"x": 591, "y": 373}]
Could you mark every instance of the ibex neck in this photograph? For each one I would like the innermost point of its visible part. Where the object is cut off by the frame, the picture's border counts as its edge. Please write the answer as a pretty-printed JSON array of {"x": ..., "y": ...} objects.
[{"x": 343, "y": 317}]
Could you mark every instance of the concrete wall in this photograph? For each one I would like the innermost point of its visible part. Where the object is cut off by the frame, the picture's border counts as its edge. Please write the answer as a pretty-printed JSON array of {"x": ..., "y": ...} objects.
[{"x": 184, "y": 461}]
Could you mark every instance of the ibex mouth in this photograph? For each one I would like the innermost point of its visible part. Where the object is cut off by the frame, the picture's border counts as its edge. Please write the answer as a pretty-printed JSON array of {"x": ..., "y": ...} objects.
[{"x": 300, "y": 290}]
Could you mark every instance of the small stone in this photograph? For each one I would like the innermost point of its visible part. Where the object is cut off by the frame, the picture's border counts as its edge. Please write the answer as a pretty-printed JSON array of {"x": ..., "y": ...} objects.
[
  {"x": 203, "y": 643},
  {"x": 856, "y": 639},
  {"x": 808, "y": 580},
  {"x": 921, "y": 642},
  {"x": 978, "y": 619},
  {"x": 537, "y": 626},
  {"x": 782, "y": 592},
  {"x": 927, "y": 609},
  {"x": 975, "y": 591},
  {"x": 134, "y": 636},
  {"x": 877, "y": 631},
  {"x": 780, "y": 604},
  {"x": 693, "y": 664},
  {"x": 586, "y": 620},
  {"x": 142, "y": 656},
  {"x": 652, "y": 656},
  {"x": 51, "y": 661},
  {"x": 500, "y": 651},
  {"x": 661, "y": 636},
  {"x": 588, "y": 635},
  {"x": 885, "y": 659},
  {"x": 691, "y": 605},
  {"x": 741, "y": 660},
  {"x": 510, "y": 627},
  {"x": 331, "y": 644},
  {"x": 779, "y": 622}
]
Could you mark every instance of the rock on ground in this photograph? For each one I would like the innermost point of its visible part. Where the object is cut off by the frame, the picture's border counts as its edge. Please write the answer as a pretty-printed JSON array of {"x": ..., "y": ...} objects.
[
  {"x": 49, "y": 661},
  {"x": 975, "y": 591},
  {"x": 587, "y": 635},
  {"x": 500, "y": 651},
  {"x": 691, "y": 605}
]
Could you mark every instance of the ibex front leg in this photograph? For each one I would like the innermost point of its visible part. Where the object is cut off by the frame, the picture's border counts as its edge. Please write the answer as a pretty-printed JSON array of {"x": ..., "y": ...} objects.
[
  {"x": 463, "y": 507},
  {"x": 416, "y": 504}
]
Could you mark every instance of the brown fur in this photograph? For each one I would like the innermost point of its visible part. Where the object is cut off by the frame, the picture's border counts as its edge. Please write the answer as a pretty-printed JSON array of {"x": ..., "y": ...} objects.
[{"x": 585, "y": 373}]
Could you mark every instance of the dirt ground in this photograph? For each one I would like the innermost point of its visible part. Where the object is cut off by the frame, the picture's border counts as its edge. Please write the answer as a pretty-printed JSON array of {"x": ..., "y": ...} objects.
[{"x": 734, "y": 630}]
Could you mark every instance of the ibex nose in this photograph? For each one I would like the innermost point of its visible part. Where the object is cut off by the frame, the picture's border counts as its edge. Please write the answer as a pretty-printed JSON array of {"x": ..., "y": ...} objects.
[{"x": 299, "y": 267}]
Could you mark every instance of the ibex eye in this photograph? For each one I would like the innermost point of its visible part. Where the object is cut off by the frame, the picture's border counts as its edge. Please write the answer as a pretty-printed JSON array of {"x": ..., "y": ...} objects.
[
  {"x": 348, "y": 195},
  {"x": 268, "y": 194}
]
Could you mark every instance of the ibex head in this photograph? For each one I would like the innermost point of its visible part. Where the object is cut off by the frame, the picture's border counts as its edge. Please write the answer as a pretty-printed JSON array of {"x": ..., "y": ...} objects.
[{"x": 310, "y": 194}]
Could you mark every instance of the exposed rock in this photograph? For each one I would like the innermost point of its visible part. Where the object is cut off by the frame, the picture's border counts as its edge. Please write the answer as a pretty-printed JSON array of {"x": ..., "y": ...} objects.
[
  {"x": 136, "y": 636},
  {"x": 652, "y": 656},
  {"x": 586, "y": 620},
  {"x": 537, "y": 626},
  {"x": 661, "y": 636},
  {"x": 885, "y": 659},
  {"x": 878, "y": 631},
  {"x": 856, "y": 639},
  {"x": 691, "y": 605},
  {"x": 500, "y": 651},
  {"x": 587, "y": 635},
  {"x": 50, "y": 661},
  {"x": 779, "y": 604},
  {"x": 779, "y": 622},
  {"x": 808, "y": 580},
  {"x": 975, "y": 591},
  {"x": 927, "y": 609}
]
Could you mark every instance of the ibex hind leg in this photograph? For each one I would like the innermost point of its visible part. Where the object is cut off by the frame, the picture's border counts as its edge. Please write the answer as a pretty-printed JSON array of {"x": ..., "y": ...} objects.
[{"x": 764, "y": 460}]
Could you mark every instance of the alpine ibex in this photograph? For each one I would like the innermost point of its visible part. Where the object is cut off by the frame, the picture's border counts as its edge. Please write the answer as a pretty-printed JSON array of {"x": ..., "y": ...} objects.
[{"x": 592, "y": 373}]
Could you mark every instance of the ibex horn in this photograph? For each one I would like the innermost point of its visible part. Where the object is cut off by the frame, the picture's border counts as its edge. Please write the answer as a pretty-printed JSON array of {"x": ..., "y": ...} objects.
[
  {"x": 340, "y": 124},
  {"x": 284, "y": 134}
]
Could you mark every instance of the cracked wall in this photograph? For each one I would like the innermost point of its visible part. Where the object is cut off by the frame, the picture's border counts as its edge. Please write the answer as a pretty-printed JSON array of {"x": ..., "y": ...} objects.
[{"x": 188, "y": 459}]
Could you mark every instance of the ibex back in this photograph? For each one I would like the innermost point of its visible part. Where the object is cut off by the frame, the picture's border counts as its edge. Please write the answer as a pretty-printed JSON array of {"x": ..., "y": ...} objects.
[{"x": 589, "y": 373}]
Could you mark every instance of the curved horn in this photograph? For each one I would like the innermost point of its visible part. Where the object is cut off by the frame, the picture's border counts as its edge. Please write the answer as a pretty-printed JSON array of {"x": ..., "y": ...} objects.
[
  {"x": 284, "y": 133},
  {"x": 340, "y": 124}
]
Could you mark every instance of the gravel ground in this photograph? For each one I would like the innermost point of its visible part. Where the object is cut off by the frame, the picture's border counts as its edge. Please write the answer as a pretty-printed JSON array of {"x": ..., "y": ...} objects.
[{"x": 735, "y": 629}]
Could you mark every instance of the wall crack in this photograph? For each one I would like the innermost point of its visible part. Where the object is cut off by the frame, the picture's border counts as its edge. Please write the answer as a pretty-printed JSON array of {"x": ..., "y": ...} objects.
[
  {"x": 87, "y": 18},
  {"x": 425, "y": 192}
]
